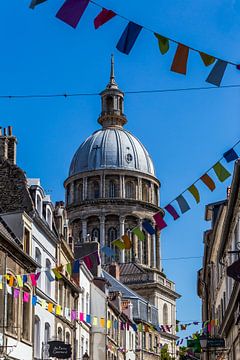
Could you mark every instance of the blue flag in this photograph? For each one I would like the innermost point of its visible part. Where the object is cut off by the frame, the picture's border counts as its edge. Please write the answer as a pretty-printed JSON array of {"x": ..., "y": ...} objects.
[
  {"x": 217, "y": 72},
  {"x": 128, "y": 38},
  {"x": 148, "y": 227},
  {"x": 182, "y": 204},
  {"x": 230, "y": 155}
]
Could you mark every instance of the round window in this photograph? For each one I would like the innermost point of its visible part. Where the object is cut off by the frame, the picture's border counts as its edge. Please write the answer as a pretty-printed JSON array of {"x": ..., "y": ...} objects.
[{"x": 129, "y": 158}]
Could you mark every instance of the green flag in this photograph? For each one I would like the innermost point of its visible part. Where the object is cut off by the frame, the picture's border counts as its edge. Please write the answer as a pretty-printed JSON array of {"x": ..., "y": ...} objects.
[
  {"x": 138, "y": 232},
  {"x": 120, "y": 244},
  {"x": 195, "y": 193},
  {"x": 221, "y": 172},
  {"x": 163, "y": 43}
]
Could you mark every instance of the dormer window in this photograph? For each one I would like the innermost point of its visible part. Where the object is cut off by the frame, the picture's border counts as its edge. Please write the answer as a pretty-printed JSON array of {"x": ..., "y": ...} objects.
[
  {"x": 39, "y": 204},
  {"x": 49, "y": 218}
]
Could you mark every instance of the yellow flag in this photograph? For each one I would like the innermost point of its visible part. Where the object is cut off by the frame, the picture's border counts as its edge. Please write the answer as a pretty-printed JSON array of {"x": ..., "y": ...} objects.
[
  {"x": 43, "y": 304},
  {"x": 109, "y": 323},
  {"x": 58, "y": 310},
  {"x": 119, "y": 243},
  {"x": 95, "y": 321},
  {"x": 19, "y": 280}
]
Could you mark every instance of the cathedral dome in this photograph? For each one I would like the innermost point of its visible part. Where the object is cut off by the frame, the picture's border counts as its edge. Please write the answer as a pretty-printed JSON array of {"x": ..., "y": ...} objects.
[{"x": 111, "y": 148}]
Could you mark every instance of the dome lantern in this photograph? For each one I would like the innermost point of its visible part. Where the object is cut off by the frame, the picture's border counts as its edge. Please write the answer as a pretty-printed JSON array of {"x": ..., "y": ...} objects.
[{"x": 112, "y": 114}]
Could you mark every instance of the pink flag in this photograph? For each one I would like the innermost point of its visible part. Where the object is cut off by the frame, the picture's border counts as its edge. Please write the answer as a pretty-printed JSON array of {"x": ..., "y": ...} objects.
[
  {"x": 104, "y": 16},
  {"x": 159, "y": 221},
  {"x": 81, "y": 316},
  {"x": 26, "y": 296},
  {"x": 33, "y": 279},
  {"x": 72, "y": 11}
]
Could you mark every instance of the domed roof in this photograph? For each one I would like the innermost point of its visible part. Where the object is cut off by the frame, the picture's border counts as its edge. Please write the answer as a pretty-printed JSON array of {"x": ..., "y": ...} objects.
[{"x": 111, "y": 148}]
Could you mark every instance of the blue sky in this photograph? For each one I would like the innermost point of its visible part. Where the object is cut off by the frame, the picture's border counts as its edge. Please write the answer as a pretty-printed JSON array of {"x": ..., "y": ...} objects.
[{"x": 185, "y": 132}]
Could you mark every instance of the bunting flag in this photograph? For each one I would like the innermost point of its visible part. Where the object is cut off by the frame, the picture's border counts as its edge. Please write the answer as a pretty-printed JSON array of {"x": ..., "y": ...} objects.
[
  {"x": 26, "y": 297},
  {"x": 140, "y": 327},
  {"x": 57, "y": 273},
  {"x": 88, "y": 262},
  {"x": 43, "y": 304},
  {"x": 34, "y": 278},
  {"x": 127, "y": 242},
  {"x": 72, "y": 11},
  {"x": 163, "y": 43},
  {"x": 9, "y": 289},
  {"x": 138, "y": 232},
  {"x": 88, "y": 318},
  {"x": 49, "y": 275},
  {"x": 102, "y": 322},
  {"x": 208, "y": 181},
  {"x": 128, "y": 38},
  {"x": 230, "y": 155},
  {"x": 148, "y": 227},
  {"x": 109, "y": 324},
  {"x": 207, "y": 59},
  {"x": 182, "y": 204},
  {"x": 50, "y": 307},
  {"x": 115, "y": 324},
  {"x": 217, "y": 72},
  {"x": 159, "y": 221},
  {"x": 95, "y": 321},
  {"x": 11, "y": 280},
  {"x": 19, "y": 281},
  {"x": 1, "y": 282},
  {"x": 179, "y": 64},
  {"x": 69, "y": 268},
  {"x": 104, "y": 16},
  {"x": 81, "y": 316},
  {"x": 107, "y": 251},
  {"x": 76, "y": 264},
  {"x": 35, "y": 3},
  {"x": 221, "y": 172},
  {"x": 120, "y": 244},
  {"x": 195, "y": 193},
  {"x": 172, "y": 211},
  {"x": 24, "y": 278},
  {"x": 34, "y": 300},
  {"x": 58, "y": 310},
  {"x": 16, "y": 293},
  {"x": 73, "y": 315}
]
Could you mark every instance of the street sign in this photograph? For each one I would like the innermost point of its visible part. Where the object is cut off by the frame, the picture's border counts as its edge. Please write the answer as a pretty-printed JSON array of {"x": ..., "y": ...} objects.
[
  {"x": 60, "y": 350},
  {"x": 215, "y": 342}
]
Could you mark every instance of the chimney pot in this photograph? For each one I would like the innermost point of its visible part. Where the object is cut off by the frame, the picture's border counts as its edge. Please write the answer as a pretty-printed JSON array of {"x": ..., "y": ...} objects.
[
  {"x": 4, "y": 131},
  {"x": 9, "y": 130}
]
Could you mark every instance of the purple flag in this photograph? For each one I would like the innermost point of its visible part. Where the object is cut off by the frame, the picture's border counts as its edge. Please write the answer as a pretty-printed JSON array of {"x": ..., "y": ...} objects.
[
  {"x": 230, "y": 155},
  {"x": 72, "y": 11},
  {"x": 16, "y": 293},
  {"x": 73, "y": 315},
  {"x": 159, "y": 221},
  {"x": 128, "y": 38},
  {"x": 217, "y": 72},
  {"x": 172, "y": 211}
]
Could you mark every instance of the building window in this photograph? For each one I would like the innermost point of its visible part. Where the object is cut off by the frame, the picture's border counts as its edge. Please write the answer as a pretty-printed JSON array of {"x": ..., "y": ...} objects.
[
  {"x": 68, "y": 338},
  {"x": 49, "y": 218},
  {"x": 12, "y": 310},
  {"x": 39, "y": 205},
  {"x": 48, "y": 282},
  {"x": 144, "y": 340},
  {"x": 95, "y": 234},
  {"x": 96, "y": 190},
  {"x": 112, "y": 235},
  {"x": 47, "y": 333},
  {"x": 38, "y": 256},
  {"x": 26, "y": 316},
  {"x": 60, "y": 334},
  {"x": 145, "y": 193},
  {"x": 109, "y": 103},
  {"x": 82, "y": 347},
  {"x": 130, "y": 193},
  {"x": 26, "y": 241},
  {"x": 150, "y": 345},
  {"x": 165, "y": 314},
  {"x": 87, "y": 304},
  {"x": 37, "y": 344},
  {"x": 112, "y": 189}
]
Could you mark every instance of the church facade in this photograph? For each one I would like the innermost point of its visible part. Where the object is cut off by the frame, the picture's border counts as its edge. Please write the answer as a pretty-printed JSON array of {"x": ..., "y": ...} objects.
[{"x": 112, "y": 188}]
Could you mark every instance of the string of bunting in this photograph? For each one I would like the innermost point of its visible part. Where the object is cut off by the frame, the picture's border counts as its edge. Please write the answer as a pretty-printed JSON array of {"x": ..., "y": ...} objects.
[
  {"x": 72, "y": 10},
  {"x": 221, "y": 173}
]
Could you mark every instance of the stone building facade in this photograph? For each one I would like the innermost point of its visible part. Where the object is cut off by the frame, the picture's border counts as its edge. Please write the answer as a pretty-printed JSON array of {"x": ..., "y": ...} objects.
[{"x": 112, "y": 188}]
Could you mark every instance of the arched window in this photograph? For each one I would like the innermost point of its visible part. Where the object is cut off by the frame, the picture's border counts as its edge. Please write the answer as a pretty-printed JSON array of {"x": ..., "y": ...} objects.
[
  {"x": 38, "y": 256},
  {"x": 47, "y": 332},
  {"x": 80, "y": 192},
  {"x": 37, "y": 345},
  {"x": 26, "y": 314},
  {"x": 96, "y": 192},
  {"x": 48, "y": 282},
  {"x": 112, "y": 189},
  {"x": 109, "y": 103},
  {"x": 60, "y": 334},
  {"x": 112, "y": 235},
  {"x": 39, "y": 204},
  {"x": 49, "y": 218},
  {"x": 165, "y": 314},
  {"x": 145, "y": 192},
  {"x": 130, "y": 193},
  {"x": 68, "y": 339},
  {"x": 95, "y": 234}
]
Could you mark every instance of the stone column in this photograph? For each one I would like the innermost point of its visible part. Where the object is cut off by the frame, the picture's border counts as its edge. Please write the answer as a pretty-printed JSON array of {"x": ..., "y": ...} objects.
[
  {"x": 139, "y": 189},
  {"x": 135, "y": 248},
  {"x": 158, "y": 251},
  {"x": 84, "y": 188},
  {"x": 71, "y": 197},
  {"x": 102, "y": 234},
  {"x": 152, "y": 194},
  {"x": 123, "y": 186},
  {"x": 84, "y": 230},
  {"x": 149, "y": 250},
  {"x": 122, "y": 252},
  {"x": 140, "y": 244},
  {"x": 103, "y": 194},
  {"x": 153, "y": 252},
  {"x": 120, "y": 186}
]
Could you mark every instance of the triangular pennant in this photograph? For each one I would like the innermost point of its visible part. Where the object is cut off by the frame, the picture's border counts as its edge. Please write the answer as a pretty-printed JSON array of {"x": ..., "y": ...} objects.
[
  {"x": 72, "y": 11},
  {"x": 217, "y": 72},
  {"x": 159, "y": 221},
  {"x": 182, "y": 204},
  {"x": 33, "y": 279},
  {"x": 163, "y": 43},
  {"x": 9, "y": 289},
  {"x": 138, "y": 232},
  {"x": 230, "y": 155},
  {"x": 195, "y": 193},
  {"x": 73, "y": 315},
  {"x": 207, "y": 59},
  {"x": 120, "y": 244},
  {"x": 35, "y": 3},
  {"x": 208, "y": 181},
  {"x": 88, "y": 318},
  {"x": 128, "y": 38},
  {"x": 109, "y": 324},
  {"x": 172, "y": 211},
  {"x": 127, "y": 242},
  {"x": 179, "y": 64},
  {"x": 221, "y": 172},
  {"x": 104, "y": 16},
  {"x": 81, "y": 316}
]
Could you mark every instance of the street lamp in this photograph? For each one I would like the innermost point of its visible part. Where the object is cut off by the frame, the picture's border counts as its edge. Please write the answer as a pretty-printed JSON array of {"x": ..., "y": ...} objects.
[
  {"x": 86, "y": 356},
  {"x": 203, "y": 341}
]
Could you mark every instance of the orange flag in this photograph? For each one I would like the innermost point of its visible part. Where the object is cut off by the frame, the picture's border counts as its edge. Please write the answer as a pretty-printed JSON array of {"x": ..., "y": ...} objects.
[
  {"x": 127, "y": 242},
  {"x": 179, "y": 64},
  {"x": 208, "y": 181}
]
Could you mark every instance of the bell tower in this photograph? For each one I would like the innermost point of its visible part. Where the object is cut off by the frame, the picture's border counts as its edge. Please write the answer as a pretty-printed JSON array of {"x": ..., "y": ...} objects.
[{"x": 112, "y": 114}]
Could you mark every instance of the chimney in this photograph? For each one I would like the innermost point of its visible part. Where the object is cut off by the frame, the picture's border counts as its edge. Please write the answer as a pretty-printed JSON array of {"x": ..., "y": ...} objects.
[
  {"x": 114, "y": 270},
  {"x": 3, "y": 146},
  {"x": 12, "y": 147}
]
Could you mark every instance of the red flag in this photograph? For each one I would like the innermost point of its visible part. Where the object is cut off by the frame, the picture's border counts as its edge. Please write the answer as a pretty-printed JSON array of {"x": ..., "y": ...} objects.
[
  {"x": 179, "y": 64},
  {"x": 104, "y": 16}
]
